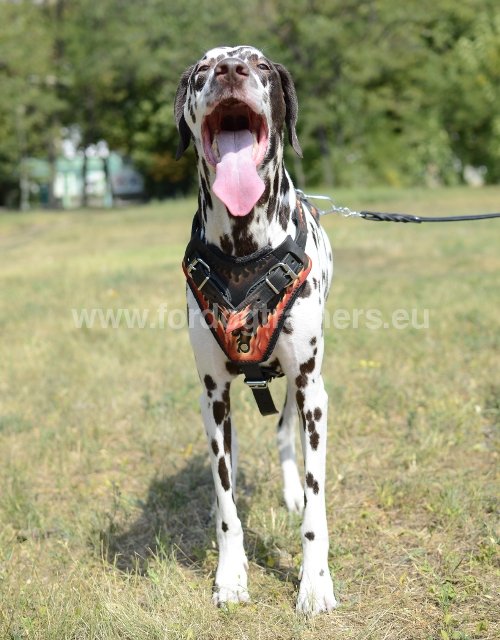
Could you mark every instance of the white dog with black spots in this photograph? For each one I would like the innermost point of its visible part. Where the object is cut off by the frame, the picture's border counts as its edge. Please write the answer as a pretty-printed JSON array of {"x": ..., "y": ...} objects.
[{"x": 235, "y": 105}]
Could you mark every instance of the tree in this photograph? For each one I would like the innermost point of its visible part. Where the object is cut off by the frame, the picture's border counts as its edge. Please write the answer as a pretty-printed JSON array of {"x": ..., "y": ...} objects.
[
  {"x": 29, "y": 97},
  {"x": 389, "y": 92}
]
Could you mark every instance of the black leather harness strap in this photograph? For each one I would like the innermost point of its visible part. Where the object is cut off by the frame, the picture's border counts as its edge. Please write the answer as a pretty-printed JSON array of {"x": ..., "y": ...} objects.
[
  {"x": 285, "y": 263},
  {"x": 258, "y": 378}
]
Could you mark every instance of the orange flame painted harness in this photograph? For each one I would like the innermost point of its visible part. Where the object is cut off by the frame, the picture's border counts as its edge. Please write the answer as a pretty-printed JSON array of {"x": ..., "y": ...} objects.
[{"x": 245, "y": 300}]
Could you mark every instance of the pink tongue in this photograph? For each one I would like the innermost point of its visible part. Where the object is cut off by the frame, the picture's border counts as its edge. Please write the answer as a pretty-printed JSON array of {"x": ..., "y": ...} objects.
[{"x": 237, "y": 182}]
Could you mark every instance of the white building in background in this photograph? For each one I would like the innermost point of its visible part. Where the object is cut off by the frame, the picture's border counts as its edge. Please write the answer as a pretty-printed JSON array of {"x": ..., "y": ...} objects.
[{"x": 109, "y": 180}]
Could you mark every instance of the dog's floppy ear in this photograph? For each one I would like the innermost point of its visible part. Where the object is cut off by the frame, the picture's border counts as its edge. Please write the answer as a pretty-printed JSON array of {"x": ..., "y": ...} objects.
[
  {"x": 180, "y": 99},
  {"x": 292, "y": 106}
]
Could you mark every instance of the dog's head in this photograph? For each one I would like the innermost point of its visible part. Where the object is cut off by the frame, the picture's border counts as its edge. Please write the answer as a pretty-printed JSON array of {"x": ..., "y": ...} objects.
[{"x": 235, "y": 103}]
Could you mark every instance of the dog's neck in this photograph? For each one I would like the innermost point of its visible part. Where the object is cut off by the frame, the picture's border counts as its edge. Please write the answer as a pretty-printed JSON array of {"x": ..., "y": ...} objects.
[{"x": 266, "y": 225}]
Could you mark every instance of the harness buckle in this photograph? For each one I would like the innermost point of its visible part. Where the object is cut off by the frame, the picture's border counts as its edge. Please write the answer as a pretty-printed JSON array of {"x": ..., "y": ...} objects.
[
  {"x": 288, "y": 271},
  {"x": 256, "y": 384},
  {"x": 191, "y": 267}
]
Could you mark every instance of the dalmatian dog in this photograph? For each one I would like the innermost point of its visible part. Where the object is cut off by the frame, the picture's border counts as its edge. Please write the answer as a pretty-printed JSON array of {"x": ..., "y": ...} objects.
[{"x": 235, "y": 104}]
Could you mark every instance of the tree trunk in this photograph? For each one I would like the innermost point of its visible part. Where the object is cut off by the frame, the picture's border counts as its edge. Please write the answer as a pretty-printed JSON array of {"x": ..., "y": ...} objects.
[{"x": 326, "y": 158}]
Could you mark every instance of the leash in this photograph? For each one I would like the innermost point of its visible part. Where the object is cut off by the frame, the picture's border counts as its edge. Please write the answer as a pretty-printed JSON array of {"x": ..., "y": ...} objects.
[{"x": 376, "y": 216}]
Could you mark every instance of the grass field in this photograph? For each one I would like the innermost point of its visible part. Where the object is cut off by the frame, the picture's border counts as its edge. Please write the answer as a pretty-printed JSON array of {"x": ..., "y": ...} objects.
[{"x": 105, "y": 489}]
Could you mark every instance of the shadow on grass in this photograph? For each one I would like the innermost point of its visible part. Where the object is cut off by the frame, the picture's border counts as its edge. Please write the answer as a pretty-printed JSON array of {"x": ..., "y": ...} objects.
[
  {"x": 177, "y": 518},
  {"x": 176, "y": 514}
]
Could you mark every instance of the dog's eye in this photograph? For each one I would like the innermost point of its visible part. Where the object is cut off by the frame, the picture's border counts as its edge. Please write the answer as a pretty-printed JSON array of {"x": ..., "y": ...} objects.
[
  {"x": 202, "y": 68},
  {"x": 264, "y": 66}
]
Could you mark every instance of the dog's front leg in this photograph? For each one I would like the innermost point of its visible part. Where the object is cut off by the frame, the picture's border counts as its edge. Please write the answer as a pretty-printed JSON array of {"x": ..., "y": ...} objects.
[
  {"x": 316, "y": 587},
  {"x": 231, "y": 576}
]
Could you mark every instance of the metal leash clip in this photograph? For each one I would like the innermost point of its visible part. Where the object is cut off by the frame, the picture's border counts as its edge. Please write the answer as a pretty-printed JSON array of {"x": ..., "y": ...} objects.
[{"x": 344, "y": 211}]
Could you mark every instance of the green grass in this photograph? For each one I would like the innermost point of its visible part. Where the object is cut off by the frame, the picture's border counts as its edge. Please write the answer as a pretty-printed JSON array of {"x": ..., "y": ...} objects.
[{"x": 105, "y": 489}]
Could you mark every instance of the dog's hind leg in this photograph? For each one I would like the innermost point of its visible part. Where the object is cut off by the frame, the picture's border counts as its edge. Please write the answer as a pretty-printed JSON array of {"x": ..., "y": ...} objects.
[{"x": 293, "y": 491}]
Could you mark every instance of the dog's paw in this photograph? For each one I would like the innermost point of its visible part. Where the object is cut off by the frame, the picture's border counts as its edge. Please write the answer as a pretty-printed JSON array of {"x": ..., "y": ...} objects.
[
  {"x": 231, "y": 582},
  {"x": 316, "y": 593},
  {"x": 229, "y": 594},
  {"x": 294, "y": 499}
]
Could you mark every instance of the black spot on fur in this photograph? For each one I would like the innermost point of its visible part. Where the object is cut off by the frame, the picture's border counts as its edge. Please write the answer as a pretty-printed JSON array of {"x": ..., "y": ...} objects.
[
  {"x": 224, "y": 474},
  {"x": 309, "y": 535},
  {"x": 204, "y": 189},
  {"x": 305, "y": 369},
  {"x": 215, "y": 447},
  {"x": 219, "y": 410},
  {"x": 317, "y": 414},
  {"x": 232, "y": 368},
  {"x": 313, "y": 341},
  {"x": 244, "y": 243},
  {"x": 206, "y": 170},
  {"x": 287, "y": 328},
  {"x": 315, "y": 237},
  {"x": 273, "y": 145},
  {"x": 305, "y": 291},
  {"x": 207, "y": 198},
  {"x": 225, "y": 397},
  {"x": 300, "y": 398},
  {"x": 276, "y": 183},
  {"x": 275, "y": 365},
  {"x": 226, "y": 244},
  {"x": 312, "y": 483},
  {"x": 224, "y": 527},
  {"x": 308, "y": 367},
  {"x": 322, "y": 572},
  {"x": 265, "y": 194},
  {"x": 284, "y": 209},
  {"x": 200, "y": 82},
  {"x": 209, "y": 384},
  {"x": 227, "y": 435},
  {"x": 314, "y": 440},
  {"x": 271, "y": 206}
]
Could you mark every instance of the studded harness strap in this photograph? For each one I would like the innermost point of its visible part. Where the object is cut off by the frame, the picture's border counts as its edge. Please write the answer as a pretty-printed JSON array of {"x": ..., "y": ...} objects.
[{"x": 245, "y": 300}]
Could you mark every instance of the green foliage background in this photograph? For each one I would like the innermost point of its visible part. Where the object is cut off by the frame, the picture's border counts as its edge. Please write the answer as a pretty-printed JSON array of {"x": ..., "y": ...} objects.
[{"x": 390, "y": 93}]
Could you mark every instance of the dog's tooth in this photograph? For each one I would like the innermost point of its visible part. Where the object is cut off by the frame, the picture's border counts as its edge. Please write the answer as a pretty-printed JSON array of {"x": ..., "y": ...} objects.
[
  {"x": 255, "y": 144},
  {"x": 215, "y": 148}
]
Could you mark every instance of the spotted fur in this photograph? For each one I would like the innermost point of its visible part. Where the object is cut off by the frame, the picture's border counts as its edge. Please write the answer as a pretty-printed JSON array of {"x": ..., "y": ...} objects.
[{"x": 268, "y": 89}]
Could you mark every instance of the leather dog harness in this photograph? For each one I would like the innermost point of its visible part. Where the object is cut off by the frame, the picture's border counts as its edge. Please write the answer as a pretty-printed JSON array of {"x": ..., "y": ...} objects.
[{"x": 245, "y": 300}]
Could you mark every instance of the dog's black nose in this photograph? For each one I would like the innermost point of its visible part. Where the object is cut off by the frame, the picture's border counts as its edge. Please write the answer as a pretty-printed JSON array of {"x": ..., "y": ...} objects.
[{"x": 231, "y": 71}]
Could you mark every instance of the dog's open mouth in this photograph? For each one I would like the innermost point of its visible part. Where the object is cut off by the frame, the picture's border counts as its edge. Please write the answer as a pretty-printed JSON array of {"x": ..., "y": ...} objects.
[
  {"x": 235, "y": 143},
  {"x": 234, "y": 116}
]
